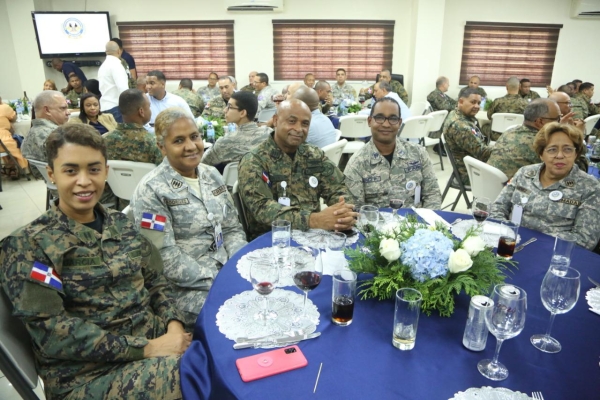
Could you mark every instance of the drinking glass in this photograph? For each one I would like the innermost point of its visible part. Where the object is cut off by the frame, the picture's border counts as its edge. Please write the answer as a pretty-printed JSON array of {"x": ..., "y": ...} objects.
[
  {"x": 361, "y": 100},
  {"x": 342, "y": 297},
  {"x": 507, "y": 240},
  {"x": 406, "y": 318},
  {"x": 368, "y": 218},
  {"x": 559, "y": 292},
  {"x": 264, "y": 276},
  {"x": 481, "y": 209},
  {"x": 561, "y": 257},
  {"x": 281, "y": 232},
  {"x": 308, "y": 269},
  {"x": 505, "y": 321},
  {"x": 395, "y": 205}
]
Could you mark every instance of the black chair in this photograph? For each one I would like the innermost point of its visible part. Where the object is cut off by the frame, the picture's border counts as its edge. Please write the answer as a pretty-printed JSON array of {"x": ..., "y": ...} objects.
[
  {"x": 454, "y": 181},
  {"x": 5, "y": 153},
  {"x": 395, "y": 77}
]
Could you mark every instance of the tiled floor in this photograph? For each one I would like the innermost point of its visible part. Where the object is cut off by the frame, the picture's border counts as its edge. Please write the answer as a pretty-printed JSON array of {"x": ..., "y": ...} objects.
[{"x": 22, "y": 201}]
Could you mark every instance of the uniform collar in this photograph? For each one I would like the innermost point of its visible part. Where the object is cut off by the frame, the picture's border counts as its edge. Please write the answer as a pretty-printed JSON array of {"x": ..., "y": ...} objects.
[
  {"x": 43, "y": 122},
  {"x": 376, "y": 157},
  {"x": 276, "y": 153},
  {"x": 130, "y": 126},
  {"x": 569, "y": 181},
  {"x": 463, "y": 116}
]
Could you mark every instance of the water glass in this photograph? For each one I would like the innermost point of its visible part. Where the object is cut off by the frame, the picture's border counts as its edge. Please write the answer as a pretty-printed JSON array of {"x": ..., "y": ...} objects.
[
  {"x": 368, "y": 218},
  {"x": 508, "y": 240},
  {"x": 281, "y": 233},
  {"x": 406, "y": 318},
  {"x": 561, "y": 257},
  {"x": 342, "y": 297}
]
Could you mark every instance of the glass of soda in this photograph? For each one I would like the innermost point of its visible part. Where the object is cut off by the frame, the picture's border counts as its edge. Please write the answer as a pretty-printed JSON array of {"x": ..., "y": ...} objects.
[
  {"x": 508, "y": 239},
  {"x": 342, "y": 297}
]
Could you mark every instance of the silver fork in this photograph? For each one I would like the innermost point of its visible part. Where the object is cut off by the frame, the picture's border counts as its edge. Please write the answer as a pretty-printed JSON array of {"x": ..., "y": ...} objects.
[
  {"x": 292, "y": 333},
  {"x": 594, "y": 282},
  {"x": 537, "y": 395}
]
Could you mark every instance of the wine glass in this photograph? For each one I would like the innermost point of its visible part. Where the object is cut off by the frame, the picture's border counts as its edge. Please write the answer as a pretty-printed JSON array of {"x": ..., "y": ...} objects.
[
  {"x": 559, "y": 292},
  {"x": 368, "y": 218},
  {"x": 361, "y": 100},
  {"x": 505, "y": 321},
  {"x": 481, "y": 209},
  {"x": 395, "y": 205},
  {"x": 308, "y": 269},
  {"x": 264, "y": 276}
]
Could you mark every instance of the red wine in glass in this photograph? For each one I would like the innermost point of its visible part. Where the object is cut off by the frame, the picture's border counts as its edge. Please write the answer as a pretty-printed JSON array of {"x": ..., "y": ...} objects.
[
  {"x": 307, "y": 280},
  {"x": 395, "y": 205},
  {"x": 264, "y": 288},
  {"x": 480, "y": 216}
]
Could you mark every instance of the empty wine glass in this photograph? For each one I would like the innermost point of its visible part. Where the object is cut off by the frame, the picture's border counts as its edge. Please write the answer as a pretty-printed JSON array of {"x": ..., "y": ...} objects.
[
  {"x": 559, "y": 292},
  {"x": 264, "y": 276},
  {"x": 368, "y": 218},
  {"x": 308, "y": 269},
  {"x": 481, "y": 209},
  {"x": 395, "y": 205},
  {"x": 505, "y": 321}
]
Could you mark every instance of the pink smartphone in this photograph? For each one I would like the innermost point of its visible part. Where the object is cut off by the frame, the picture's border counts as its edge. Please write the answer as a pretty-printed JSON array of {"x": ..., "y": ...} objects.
[{"x": 270, "y": 363}]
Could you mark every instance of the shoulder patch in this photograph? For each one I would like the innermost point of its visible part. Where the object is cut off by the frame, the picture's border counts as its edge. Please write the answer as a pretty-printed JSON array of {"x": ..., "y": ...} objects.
[{"x": 176, "y": 184}]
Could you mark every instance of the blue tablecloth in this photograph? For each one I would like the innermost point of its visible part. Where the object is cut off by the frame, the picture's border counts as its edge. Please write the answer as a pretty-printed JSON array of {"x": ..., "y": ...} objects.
[
  {"x": 335, "y": 120},
  {"x": 593, "y": 170},
  {"x": 359, "y": 361}
]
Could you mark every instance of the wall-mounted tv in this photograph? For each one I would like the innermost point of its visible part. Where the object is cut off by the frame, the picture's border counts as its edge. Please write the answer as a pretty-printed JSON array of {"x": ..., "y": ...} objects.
[{"x": 71, "y": 34}]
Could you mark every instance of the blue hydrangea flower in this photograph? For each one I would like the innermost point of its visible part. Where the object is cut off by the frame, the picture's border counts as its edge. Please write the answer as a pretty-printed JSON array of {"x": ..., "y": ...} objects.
[{"x": 426, "y": 253}]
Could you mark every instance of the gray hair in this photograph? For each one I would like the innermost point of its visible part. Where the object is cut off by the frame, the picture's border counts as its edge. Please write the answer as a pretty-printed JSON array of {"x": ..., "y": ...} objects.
[
  {"x": 440, "y": 81},
  {"x": 536, "y": 109},
  {"x": 512, "y": 83},
  {"x": 165, "y": 119},
  {"x": 385, "y": 86},
  {"x": 46, "y": 98},
  {"x": 232, "y": 79}
]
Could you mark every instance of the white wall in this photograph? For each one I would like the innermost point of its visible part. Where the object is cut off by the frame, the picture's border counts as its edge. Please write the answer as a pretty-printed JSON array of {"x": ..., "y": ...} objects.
[{"x": 10, "y": 86}]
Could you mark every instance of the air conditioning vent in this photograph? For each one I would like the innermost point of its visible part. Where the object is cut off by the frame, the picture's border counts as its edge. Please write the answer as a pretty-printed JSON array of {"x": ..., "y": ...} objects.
[
  {"x": 585, "y": 8},
  {"x": 254, "y": 5}
]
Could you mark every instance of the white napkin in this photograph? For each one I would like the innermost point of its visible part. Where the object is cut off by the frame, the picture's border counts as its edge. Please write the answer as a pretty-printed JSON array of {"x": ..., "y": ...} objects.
[
  {"x": 494, "y": 229},
  {"x": 430, "y": 216},
  {"x": 332, "y": 261}
]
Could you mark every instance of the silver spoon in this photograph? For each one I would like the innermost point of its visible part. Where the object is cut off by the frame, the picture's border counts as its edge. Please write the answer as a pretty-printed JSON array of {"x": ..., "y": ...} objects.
[{"x": 594, "y": 282}]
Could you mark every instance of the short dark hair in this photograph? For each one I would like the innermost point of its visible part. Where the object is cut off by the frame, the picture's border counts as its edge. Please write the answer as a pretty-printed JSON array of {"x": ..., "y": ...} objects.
[
  {"x": 320, "y": 85},
  {"x": 117, "y": 41},
  {"x": 576, "y": 81},
  {"x": 524, "y": 80},
  {"x": 340, "y": 69},
  {"x": 80, "y": 134},
  {"x": 585, "y": 85},
  {"x": 130, "y": 101},
  {"x": 246, "y": 101},
  {"x": 186, "y": 83},
  {"x": 82, "y": 100},
  {"x": 384, "y": 100},
  {"x": 158, "y": 74},
  {"x": 563, "y": 88},
  {"x": 468, "y": 92},
  {"x": 213, "y": 73},
  {"x": 263, "y": 77},
  {"x": 93, "y": 86}
]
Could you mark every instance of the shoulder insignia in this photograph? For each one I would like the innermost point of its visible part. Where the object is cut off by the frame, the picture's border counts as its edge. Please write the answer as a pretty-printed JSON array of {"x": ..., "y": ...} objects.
[
  {"x": 219, "y": 190},
  {"x": 530, "y": 174},
  {"x": 176, "y": 184},
  {"x": 570, "y": 183}
]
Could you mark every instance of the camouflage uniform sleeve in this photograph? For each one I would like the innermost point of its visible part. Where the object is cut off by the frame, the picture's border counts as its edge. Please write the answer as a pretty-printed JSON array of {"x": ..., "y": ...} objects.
[
  {"x": 402, "y": 93},
  {"x": 470, "y": 143},
  {"x": 334, "y": 183},
  {"x": 212, "y": 155},
  {"x": 430, "y": 192},
  {"x": 354, "y": 181},
  {"x": 492, "y": 109},
  {"x": 435, "y": 101},
  {"x": 586, "y": 230},
  {"x": 258, "y": 199},
  {"x": 53, "y": 332},
  {"x": 369, "y": 92}
]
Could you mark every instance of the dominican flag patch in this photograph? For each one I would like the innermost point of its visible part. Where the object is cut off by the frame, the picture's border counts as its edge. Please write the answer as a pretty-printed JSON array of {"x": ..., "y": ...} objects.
[
  {"x": 265, "y": 178},
  {"x": 153, "y": 221},
  {"x": 45, "y": 274}
]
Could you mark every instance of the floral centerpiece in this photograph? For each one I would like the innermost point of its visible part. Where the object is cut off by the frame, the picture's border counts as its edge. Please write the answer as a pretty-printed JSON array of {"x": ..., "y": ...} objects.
[
  {"x": 217, "y": 123},
  {"x": 354, "y": 107},
  {"x": 429, "y": 259}
]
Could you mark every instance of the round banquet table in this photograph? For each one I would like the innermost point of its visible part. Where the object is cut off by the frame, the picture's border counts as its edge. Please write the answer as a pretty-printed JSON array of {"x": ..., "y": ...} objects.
[{"x": 359, "y": 361}]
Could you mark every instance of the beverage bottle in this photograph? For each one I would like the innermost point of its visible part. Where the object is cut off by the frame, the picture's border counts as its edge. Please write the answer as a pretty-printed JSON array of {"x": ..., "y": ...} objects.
[
  {"x": 210, "y": 133},
  {"x": 232, "y": 127},
  {"x": 26, "y": 104},
  {"x": 482, "y": 105},
  {"x": 342, "y": 108}
]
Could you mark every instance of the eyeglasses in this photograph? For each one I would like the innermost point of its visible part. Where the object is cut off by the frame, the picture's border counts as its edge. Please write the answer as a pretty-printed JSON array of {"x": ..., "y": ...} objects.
[
  {"x": 229, "y": 107},
  {"x": 557, "y": 119},
  {"x": 565, "y": 102},
  {"x": 277, "y": 101},
  {"x": 553, "y": 151},
  {"x": 393, "y": 120}
]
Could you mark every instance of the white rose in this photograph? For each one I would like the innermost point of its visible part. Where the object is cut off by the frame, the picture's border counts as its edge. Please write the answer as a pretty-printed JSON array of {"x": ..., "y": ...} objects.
[
  {"x": 459, "y": 261},
  {"x": 473, "y": 245},
  {"x": 391, "y": 229},
  {"x": 390, "y": 249}
]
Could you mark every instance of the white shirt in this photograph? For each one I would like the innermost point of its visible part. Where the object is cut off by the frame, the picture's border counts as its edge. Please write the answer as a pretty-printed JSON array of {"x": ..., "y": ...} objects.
[
  {"x": 112, "y": 79},
  {"x": 170, "y": 100},
  {"x": 404, "y": 110}
]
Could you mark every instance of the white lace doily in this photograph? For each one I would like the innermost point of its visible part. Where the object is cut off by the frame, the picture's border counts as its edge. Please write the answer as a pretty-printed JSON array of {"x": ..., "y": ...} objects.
[
  {"x": 319, "y": 238},
  {"x": 490, "y": 393},
  {"x": 264, "y": 255},
  {"x": 491, "y": 231},
  {"x": 237, "y": 316}
]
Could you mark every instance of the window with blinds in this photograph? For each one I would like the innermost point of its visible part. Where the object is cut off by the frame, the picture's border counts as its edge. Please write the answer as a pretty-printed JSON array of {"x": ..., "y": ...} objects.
[
  {"x": 180, "y": 49},
  {"x": 497, "y": 51},
  {"x": 362, "y": 48}
]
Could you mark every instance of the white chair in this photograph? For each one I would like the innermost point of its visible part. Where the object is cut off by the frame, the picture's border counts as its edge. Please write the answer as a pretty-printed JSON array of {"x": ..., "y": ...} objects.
[
  {"x": 334, "y": 151},
  {"x": 419, "y": 108},
  {"x": 124, "y": 176},
  {"x": 354, "y": 127},
  {"x": 435, "y": 124},
  {"x": 239, "y": 205},
  {"x": 486, "y": 181},
  {"x": 16, "y": 356},
  {"x": 415, "y": 128},
  {"x": 41, "y": 167},
  {"x": 502, "y": 121},
  {"x": 590, "y": 122},
  {"x": 266, "y": 114},
  {"x": 338, "y": 134},
  {"x": 230, "y": 173},
  {"x": 129, "y": 212}
]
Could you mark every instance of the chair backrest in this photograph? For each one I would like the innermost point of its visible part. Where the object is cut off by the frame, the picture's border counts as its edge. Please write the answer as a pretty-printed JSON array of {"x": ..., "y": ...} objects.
[
  {"x": 128, "y": 211},
  {"x": 502, "y": 121},
  {"x": 239, "y": 205},
  {"x": 419, "y": 108},
  {"x": 590, "y": 122},
  {"x": 486, "y": 181},
  {"x": 354, "y": 126},
  {"x": 41, "y": 166},
  {"x": 124, "y": 176},
  {"x": 334, "y": 151},
  {"x": 415, "y": 127},
  {"x": 17, "y": 361},
  {"x": 266, "y": 114},
  {"x": 230, "y": 173},
  {"x": 452, "y": 160},
  {"x": 437, "y": 120},
  {"x": 338, "y": 134}
]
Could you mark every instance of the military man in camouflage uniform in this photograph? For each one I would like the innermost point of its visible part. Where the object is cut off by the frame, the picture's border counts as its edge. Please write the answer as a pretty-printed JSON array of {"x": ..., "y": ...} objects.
[
  {"x": 439, "y": 100},
  {"x": 582, "y": 101},
  {"x": 216, "y": 106},
  {"x": 474, "y": 84},
  {"x": 201, "y": 228},
  {"x": 388, "y": 167},
  {"x": 250, "y": 86},
  {"x": 510, "y": 103},
  {"x": 325, "y": 96},
  {"x": 264, "y": 93},
  {"x": 211, "y": 90},
  {"x": 75, "y": 93},
  {"x": 93, "y": 296},
  {"x": 194, "y": 101},
  {"x": 232, "y": 147},
  {"x": 525, "y": 90},
  {"x": 51, "y": 111},
  {"x": 342, "y": 90},
  {"x": 462, "y": 133},
  {"x": 284, "y": 178},
  {"x": 386, "y": 76}
]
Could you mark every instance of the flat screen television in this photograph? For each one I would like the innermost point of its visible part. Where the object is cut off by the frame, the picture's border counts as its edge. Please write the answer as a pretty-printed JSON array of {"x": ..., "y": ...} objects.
[{"x": 71, "y": 34}]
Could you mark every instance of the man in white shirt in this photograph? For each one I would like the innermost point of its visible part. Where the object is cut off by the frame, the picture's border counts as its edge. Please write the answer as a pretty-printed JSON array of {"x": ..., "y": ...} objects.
[
  {"x": 321, "y": 131},
  {"x": 160, "y": 99},
  {"x": 113, "y": 81},
  {"x": 384, "y": 89}
]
